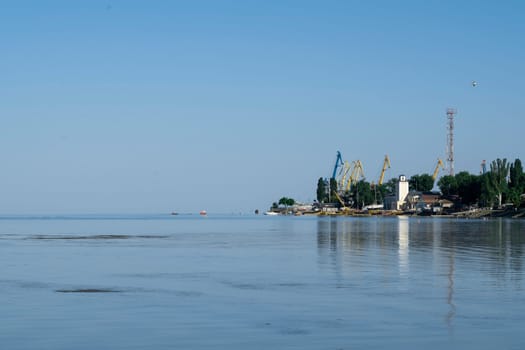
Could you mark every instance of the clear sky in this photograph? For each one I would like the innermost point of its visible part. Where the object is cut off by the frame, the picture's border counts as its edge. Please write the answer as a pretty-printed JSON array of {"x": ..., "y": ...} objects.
[{"x": 158, "y": 106}]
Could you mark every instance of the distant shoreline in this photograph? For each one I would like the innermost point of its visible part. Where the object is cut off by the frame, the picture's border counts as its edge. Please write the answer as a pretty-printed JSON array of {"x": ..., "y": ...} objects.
[{"x": 469, "y": 214}]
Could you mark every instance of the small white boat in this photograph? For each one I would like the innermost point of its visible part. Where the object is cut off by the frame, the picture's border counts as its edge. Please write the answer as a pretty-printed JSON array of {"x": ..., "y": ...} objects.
[{"x": 271, "y": 213}]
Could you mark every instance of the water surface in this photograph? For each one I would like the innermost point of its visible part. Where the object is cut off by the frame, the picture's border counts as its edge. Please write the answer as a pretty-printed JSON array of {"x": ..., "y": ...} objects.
[{"x": 254, "y": 282}]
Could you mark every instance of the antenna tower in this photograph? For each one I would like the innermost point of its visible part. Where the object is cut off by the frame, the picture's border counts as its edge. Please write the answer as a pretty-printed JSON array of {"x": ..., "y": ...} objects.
[
  {"x": 451, "y": 112},
  {"x": 483, "y": 166}
]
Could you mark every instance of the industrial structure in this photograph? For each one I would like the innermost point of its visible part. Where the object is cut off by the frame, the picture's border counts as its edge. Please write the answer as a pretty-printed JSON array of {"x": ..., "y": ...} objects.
[
  {"x": 346, "y": 175},
  {"x": 397, "y": 201},
  {"x": 338, "y": 163},
  {"x": 436, "y": 170},
  {"x": 386, "y": 164},
  {"x": 483, "y": 167},
  {"x": 451, "y": 112}
]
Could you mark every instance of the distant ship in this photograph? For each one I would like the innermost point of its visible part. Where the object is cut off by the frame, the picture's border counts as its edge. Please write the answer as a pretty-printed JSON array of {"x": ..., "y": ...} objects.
[{"x": 203, "y": 212}]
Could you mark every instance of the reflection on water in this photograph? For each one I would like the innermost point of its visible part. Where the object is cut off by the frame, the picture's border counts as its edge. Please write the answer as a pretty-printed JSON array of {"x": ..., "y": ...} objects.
[
  {"x": 431, "y": 254},
  {"x": 450, "y": 296},
  {"x": 403, "y": 230},
  {"x": 496, "y": 245}
]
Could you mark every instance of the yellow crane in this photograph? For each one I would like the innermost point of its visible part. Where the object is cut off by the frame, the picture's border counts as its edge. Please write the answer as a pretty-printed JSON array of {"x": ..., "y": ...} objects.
[
  {"x": 386, "y": 164},
  {"x": 344, "y": 179},
  {"x": 436, "y": 170},
  {"x": 357, "y": 172},
  {"x": 348, "y": 181}
]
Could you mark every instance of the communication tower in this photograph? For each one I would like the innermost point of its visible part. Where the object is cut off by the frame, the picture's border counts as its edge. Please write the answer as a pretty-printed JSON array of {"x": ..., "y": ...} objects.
[
  {"x": 483, "y": 166},
  {"x": 451, "y": 112}
]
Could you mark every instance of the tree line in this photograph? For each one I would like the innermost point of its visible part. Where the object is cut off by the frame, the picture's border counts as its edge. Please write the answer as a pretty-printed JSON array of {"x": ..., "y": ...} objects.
[
  {"x": 503, "y": 183},
  {"x": 284, "y": 201}
]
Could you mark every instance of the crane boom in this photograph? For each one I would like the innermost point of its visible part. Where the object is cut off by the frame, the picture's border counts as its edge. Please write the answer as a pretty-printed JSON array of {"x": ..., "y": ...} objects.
[
  {"x": 360, "y": 172},
  {"x": 357, "y": 172},
  {"x": 386, "y": 164},
  {"x": 436, "y": 170},
  {"x": 338, "y": 163}
]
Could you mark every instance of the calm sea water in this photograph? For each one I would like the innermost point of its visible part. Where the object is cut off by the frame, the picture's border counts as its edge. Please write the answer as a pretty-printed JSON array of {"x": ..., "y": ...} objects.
[{"x": 247, "y": 282}]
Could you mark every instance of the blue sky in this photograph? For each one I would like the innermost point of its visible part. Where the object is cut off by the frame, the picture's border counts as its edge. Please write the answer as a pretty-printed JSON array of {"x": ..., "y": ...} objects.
[{"x": 160, "y": 106}]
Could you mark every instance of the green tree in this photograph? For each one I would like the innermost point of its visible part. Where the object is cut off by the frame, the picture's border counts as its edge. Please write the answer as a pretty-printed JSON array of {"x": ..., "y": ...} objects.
[
  {"x": 333, "y": 190},
  {"x": 423, "y": 182},
  {"x": 468, "y": 187},
  {"x": 321, "y": 190},
  {"x": 379, "y": 192},
  {"x": 362, "y": 194},
  {"x": 474, "y": 194},
  {"x": 516, "y": 176},
  {"x": 389, "y": 186},
  {"x": 488, "y": 194},
  {"x": 514, "y": 196},
  {"x": 516, "y": 183},
  {"x": 286, "y": 202},
  {"x": 448, "y": 185},
  {"x": 499, "y": 170},
  {"x": 463, "y": 184}
]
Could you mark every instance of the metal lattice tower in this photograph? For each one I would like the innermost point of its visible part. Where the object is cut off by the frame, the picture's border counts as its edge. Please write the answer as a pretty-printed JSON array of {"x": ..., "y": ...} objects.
[{"x": 451, "y": 112}]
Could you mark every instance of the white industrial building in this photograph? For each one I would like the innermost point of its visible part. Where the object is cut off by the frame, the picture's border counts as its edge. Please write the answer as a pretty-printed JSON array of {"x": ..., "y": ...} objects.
[{"x": 397, "y": 201}]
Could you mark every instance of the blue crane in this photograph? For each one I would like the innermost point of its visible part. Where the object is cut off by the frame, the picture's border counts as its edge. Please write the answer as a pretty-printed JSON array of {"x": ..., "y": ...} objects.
[{"x": 338, "y": 163}]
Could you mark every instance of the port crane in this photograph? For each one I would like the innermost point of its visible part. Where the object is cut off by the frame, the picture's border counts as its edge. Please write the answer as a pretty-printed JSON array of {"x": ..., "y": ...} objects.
[
  {"x": 436, "y": 170},
  {"x": 355, "y": 175},
  {"x": 338, "y": 163},
  {"x": 342, "y": 182},
  {"x": 386, "y": 164}
]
